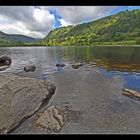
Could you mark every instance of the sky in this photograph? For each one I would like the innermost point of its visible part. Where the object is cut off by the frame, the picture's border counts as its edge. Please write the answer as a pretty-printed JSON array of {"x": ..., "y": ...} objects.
[{"x": 37, "y": 21}]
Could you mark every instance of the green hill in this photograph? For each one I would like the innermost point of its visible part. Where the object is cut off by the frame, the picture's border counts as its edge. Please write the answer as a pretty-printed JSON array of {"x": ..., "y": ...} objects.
[
  {"x": 14, "y": 40},
  {"x": 22, "y": 38},
  {"x": 119, "y": 29}
]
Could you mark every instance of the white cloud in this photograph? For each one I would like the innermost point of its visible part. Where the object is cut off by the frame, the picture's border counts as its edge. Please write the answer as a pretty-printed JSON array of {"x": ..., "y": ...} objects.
[
  {"x": 17, "y": 27},
  {"x": 26, "y": 20},
  {"x": 79, "y": 14},
  {"x": 42, "y": 15},
  {"x": 64, "y": 22},
  {"x": 39, "y": 15},
  {"x": 20, "y": 28}
]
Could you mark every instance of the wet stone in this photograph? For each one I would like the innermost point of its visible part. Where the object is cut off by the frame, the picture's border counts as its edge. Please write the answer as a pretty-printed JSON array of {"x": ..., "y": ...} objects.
[
  {"x": 30, "y": 68},
  {"x": 60, "y": 65},
  {"x": 52, "y": 119},
  {"x": 131, "y": 93}
]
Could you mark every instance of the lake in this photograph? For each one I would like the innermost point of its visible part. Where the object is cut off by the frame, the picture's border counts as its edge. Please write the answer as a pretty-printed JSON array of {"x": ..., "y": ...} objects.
[
  {"x": 92, "y": 93},
  {"x": 121, "y": 61}
]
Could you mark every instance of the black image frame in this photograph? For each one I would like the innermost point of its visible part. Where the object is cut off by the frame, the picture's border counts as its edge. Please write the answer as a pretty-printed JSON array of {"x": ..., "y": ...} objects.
[{"x": 67, "y": 3}]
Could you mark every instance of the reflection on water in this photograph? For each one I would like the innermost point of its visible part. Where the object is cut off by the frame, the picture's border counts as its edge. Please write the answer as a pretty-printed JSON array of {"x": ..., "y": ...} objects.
[
  {"x": 111, "y": 58},
  {"x": 122, "y": 61}
]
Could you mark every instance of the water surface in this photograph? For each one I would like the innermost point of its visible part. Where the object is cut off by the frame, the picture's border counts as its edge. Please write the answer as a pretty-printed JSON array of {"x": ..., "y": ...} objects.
[
  {"x": 121, "y": 61},
  {"x": 91, "y": 94}
]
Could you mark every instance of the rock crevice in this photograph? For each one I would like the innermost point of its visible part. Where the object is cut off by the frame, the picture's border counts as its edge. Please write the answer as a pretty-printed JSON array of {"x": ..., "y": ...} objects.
[{"x": 20, "y": 98}]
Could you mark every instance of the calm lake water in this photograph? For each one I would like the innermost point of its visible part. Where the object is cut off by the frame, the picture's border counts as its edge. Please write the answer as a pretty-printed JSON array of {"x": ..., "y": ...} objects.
[
  {"x": 110, "y": 61},
  {"x": 91, "y": 94}
]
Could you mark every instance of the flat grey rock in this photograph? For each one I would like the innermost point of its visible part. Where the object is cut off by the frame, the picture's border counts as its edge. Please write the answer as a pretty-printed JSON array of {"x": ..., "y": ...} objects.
[{"x": 21, "y": 97}]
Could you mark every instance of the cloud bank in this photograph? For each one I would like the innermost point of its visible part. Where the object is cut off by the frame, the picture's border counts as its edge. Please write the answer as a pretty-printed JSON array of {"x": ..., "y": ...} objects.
[{"x": 25, "y": 20}]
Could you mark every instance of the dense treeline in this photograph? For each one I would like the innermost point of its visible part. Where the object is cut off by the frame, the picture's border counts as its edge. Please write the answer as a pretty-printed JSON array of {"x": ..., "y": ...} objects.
[{"x": 119, "y": 29}]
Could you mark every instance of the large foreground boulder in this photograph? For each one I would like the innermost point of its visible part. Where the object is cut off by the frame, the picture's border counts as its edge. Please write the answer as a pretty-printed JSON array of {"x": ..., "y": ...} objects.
[{"x": 21, "y": 97}]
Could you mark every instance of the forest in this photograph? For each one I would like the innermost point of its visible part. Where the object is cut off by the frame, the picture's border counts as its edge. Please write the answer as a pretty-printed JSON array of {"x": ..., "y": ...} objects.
[{"x": 119, "y": 29}]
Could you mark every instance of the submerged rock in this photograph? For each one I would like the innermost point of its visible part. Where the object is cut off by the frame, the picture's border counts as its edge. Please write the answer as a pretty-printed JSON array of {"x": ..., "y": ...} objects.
[
  {"x": 60, "y": 65},
  {"x": 4, "y": 67},
  {"x": 5, "y": 60},
  {"x": 30, "y": 68},
  {"x": 21, "y": 97},
  {"x": 92, "y": 63},
  {"x": 77, "y": 65},
  {"x": 131, "y": 93},
  {"x": 51, "y": 119},
  {"x": 80, "y": 64}
]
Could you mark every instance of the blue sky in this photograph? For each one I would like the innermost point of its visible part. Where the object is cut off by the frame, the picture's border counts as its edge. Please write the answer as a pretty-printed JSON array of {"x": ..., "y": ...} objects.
[
  {"x": 57, "y": 23},
  {"x": 122, "y": 8},
  {"x": 37, "y": 21}
]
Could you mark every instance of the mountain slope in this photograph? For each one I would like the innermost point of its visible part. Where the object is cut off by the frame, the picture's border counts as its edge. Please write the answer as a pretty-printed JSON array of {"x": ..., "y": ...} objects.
[
  {"x": 13, "y": 39},
  {"x": 121, "y": 28},
  {"x": 22, "y": 38}
]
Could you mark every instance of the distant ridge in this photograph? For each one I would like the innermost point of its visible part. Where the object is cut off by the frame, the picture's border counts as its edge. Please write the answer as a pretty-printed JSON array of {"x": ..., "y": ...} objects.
[{"x": 11, "y": 39}]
